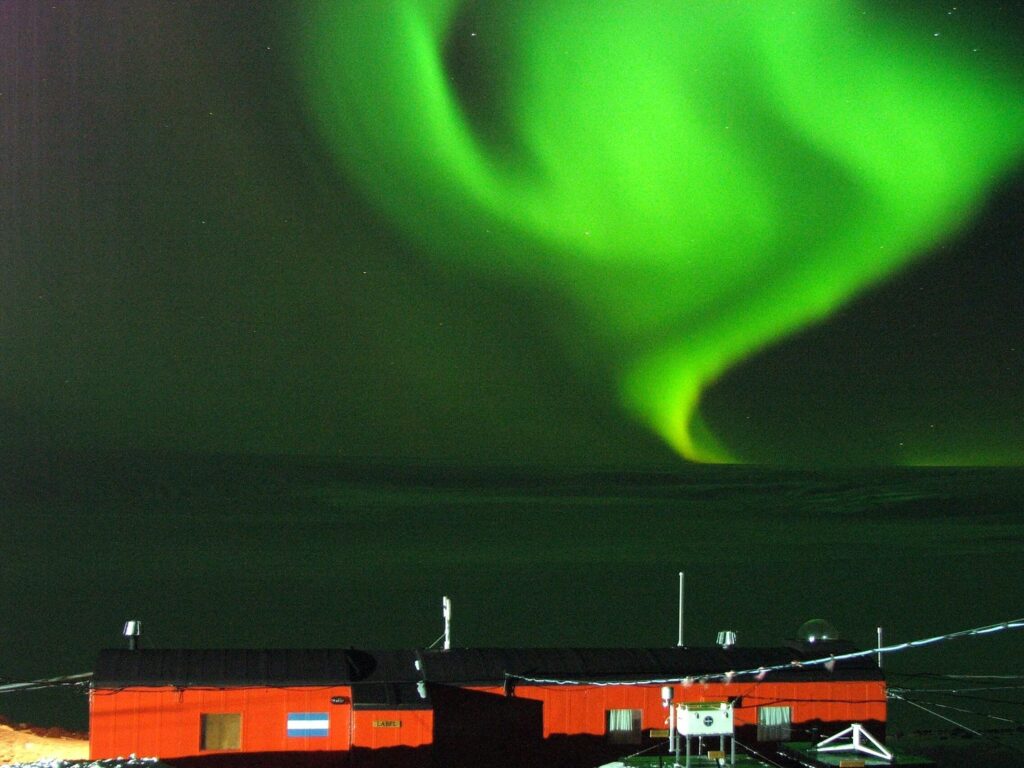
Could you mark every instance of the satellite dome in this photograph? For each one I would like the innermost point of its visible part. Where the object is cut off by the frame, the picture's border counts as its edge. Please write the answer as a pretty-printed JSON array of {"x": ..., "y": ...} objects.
[{"x": 816, "y": 630}]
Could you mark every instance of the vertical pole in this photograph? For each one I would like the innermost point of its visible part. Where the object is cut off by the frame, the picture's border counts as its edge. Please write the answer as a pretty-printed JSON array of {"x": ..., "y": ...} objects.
[
  {"x": 681, "y": 586},
  {"x": 679, "y": 738},
  {"x": 672, "y": 728},
  {"x": 879, "y": 647},
  {"x": 446, "y": 609},
  {"x": 732, "y": 750}
]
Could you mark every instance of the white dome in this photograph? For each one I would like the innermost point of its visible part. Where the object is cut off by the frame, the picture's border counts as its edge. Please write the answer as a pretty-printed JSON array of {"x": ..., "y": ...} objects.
[{"x": 816, "y": 630}]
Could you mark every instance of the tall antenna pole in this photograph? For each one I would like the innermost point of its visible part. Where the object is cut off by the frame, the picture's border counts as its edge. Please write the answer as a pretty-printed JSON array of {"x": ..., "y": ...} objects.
[
  {"x": 681, "y": 587},
  {"x": 446, "y": 610}
]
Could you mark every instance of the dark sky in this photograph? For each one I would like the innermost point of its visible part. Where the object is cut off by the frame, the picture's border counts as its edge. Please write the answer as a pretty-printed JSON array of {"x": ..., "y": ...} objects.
[
  {"x": 182, "y": 267},
  {"x": 935, "y": 354}
]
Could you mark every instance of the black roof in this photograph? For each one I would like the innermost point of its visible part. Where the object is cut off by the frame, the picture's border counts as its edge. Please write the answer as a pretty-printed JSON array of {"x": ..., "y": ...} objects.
[
  {"x": 119, "y": 668},
  {"x": 495, "y": 665},
  {"x": 370, "y": 672}
]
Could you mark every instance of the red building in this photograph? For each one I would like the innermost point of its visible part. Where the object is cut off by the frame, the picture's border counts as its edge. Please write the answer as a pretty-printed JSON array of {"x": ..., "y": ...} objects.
[{"x": 457, "y": 707}]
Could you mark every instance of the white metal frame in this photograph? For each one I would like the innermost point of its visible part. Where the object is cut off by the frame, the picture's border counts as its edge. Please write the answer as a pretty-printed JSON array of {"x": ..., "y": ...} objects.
[{"x": 859, "y": 741}]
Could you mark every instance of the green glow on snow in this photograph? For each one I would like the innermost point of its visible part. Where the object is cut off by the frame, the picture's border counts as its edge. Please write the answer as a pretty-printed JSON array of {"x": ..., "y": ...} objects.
[{"x": 699, "y": 179}]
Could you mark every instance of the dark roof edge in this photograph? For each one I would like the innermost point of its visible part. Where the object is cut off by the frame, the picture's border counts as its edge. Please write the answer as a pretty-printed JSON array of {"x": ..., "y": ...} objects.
[{"x": 121, "y": 667}]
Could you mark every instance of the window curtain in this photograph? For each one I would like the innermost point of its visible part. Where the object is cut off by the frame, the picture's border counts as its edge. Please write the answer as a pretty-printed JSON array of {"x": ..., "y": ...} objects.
[
  {"x": 624, "y": 726},
  {"x": 773, "y": 723}
]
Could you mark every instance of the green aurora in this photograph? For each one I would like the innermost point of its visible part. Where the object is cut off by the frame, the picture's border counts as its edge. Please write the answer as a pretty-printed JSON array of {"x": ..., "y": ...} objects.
[{"x": 697, "y": 181}]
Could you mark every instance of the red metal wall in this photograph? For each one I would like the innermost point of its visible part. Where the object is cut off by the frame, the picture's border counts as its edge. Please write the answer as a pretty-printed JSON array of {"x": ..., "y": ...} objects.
[
  {"x": 376, "y": 729},
  {"x": 165, "y": 722},
  {"x": 583, "y": 709}
]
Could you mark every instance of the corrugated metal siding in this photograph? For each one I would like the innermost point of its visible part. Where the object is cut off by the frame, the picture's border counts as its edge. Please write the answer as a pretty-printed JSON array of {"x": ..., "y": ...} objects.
[
  {"x": 165, "y": 722},
  {"x": 380, "y": 729},
  {"x": 149, "y": 702},
  {"x": 571, "y": 710}
]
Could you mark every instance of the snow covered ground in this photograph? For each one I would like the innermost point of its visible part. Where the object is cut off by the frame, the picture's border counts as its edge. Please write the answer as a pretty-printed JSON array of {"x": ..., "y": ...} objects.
[{"x": 144, "y": 762}]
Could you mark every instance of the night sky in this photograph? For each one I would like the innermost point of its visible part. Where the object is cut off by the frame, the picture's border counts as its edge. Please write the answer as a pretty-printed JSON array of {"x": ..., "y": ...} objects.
[{"x": 538, "y": 233}]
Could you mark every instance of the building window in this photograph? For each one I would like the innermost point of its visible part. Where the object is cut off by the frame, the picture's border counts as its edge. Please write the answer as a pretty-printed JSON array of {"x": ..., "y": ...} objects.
[
  {"x": 220, "y": 731},
  {"x": 773, "y": 723},
  {"x": 624, "y": 726}
]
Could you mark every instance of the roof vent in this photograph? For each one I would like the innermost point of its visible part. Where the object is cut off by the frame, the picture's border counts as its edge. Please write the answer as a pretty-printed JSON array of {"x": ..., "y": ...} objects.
[
  {"x": 132, "y": 630},
  {"x": 726, "y": 638}
]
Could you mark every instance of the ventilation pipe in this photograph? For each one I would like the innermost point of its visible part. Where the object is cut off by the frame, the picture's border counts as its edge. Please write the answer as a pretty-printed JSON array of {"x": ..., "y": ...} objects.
[
  {"x": 132, "y": 630},
  {"x": 726, "y": 638}
]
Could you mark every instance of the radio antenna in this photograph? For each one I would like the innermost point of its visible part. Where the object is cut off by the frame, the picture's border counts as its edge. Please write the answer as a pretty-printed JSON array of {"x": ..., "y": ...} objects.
[{"x": 681, "y": 593}]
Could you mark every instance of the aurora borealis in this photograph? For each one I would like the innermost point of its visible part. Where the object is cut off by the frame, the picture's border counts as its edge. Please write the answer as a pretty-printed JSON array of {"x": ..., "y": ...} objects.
[
  {"x": 316, "y": 311},
  {"x": 530, "y": 232},
  {"x": 738, "y": 172}
]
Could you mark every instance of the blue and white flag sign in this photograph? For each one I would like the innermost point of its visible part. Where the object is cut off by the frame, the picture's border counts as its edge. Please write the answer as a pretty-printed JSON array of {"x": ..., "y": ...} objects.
[{"x": 308, "y": 724}]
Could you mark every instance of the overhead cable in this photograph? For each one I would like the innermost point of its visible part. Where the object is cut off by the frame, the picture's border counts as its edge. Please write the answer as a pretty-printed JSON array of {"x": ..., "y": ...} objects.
[
  {"x": 938, "y": 715},
  {"x": 50, "y": 682},
  {"x": 760, "y": 672},
  {"x": 962, "y": 710}
]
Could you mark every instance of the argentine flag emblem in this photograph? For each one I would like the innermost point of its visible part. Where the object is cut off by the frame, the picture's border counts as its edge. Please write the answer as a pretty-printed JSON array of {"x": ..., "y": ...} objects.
[{"x": 308, "y": 724}]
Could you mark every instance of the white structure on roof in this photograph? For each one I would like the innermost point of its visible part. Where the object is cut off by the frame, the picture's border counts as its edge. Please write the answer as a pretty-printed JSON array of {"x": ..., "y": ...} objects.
[{"x": 854, "y": 739}]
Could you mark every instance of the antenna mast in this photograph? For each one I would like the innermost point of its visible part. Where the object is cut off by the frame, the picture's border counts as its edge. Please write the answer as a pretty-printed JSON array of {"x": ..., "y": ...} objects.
[
  {"x": 446, "y": 610},
  {"x": 681, "y": 584}
]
